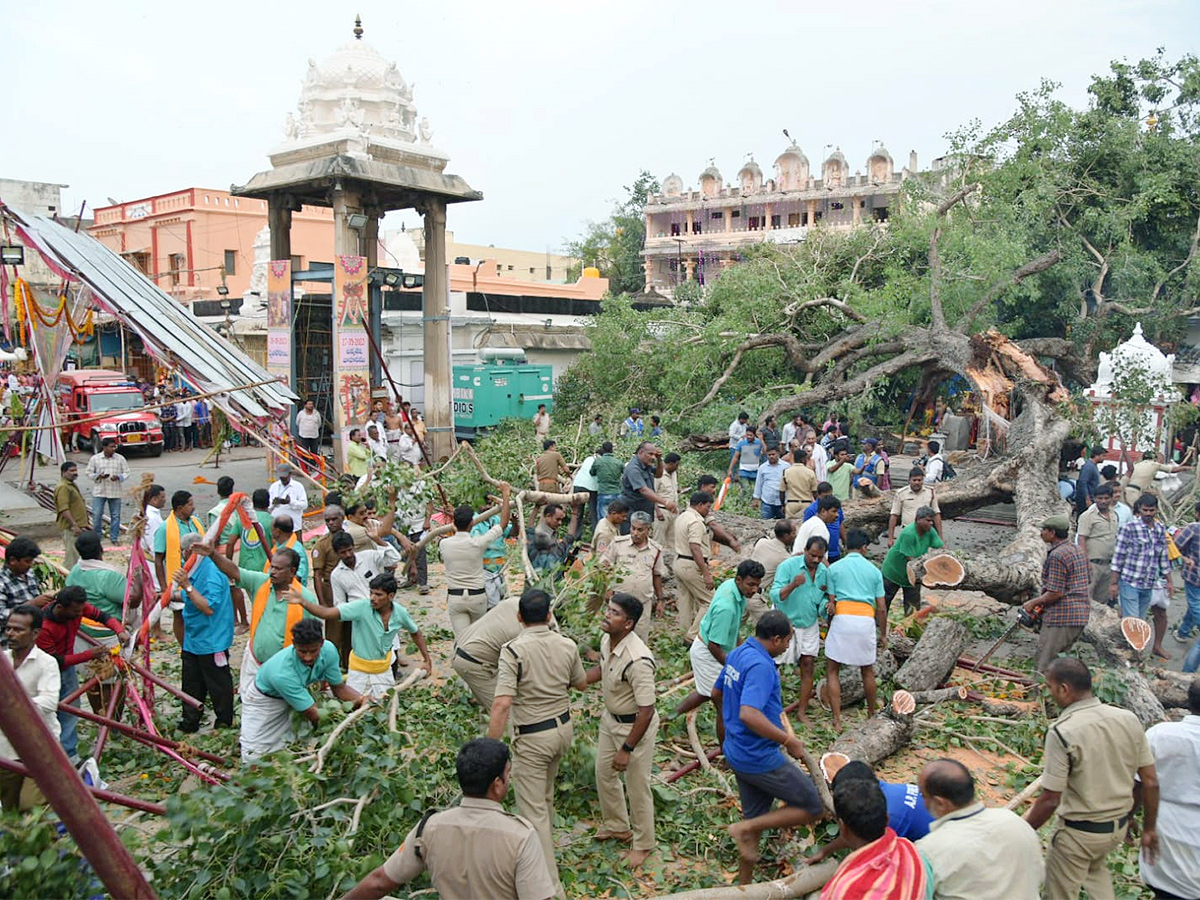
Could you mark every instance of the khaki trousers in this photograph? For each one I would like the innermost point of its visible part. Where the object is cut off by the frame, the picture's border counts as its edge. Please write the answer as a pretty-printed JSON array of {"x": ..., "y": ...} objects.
[
  {"x": 664, "y": 528},
  {"x": 1100, "y": 581},
  {"x": 755, "y": 607},
  {"x": 71, "y": 555},
  {"x": 693, "y": 597},
  {"x": 642, "y": 628},
  {"x": 1053, "y": 640},
  {"x": 466, "y": 610},
  {"x": 1076, "y": 859},
  {"x": 637, "y": 779},
  {"x": 535, "y": 759},
  {"x": 479, "y": 679}
]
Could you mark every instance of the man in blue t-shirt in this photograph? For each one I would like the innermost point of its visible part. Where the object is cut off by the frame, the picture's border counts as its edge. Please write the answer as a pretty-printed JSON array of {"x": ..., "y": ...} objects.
[
  {"x": 751, "y": 731},
  {"x": 747, "y": 455},
  {"x": 907, "y": 815},
  {"x": 207, "y": 637}
]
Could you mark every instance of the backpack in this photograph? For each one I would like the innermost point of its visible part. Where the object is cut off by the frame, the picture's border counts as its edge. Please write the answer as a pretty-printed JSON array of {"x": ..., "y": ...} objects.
[{"x": 947, "y": 470}]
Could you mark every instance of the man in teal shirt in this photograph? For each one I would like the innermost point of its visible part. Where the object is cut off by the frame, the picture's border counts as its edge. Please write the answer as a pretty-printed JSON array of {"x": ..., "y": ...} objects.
[
  {"x": 494, "y": 558},
  {"x": 378, "y": 623},
  {"x": 914, "y": 541},
  {"x": 719, "y": 632},
  {"x": 251, "y": 552},
  {"x": 859, "y": 619},
  {"x": 281, "y": 685},
  {"x": 105, "y": 586},
  {"x": 799, "y": 592},
  {"x": 270, "y": 610}
]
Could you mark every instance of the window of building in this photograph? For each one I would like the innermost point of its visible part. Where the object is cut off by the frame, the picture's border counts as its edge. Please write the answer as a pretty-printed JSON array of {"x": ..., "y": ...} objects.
[
  {"x": 510, "y": 268},
  {"x": 696, "y": 228},
  {"x": 837, "y": 205},
  {"x": 673, "y": 264},
  {"x": 776, "y": 221},
  {"x": 549, "y": 275},
  {"x": 297, "y": 264},
  {"x": 175, "y": 263},
  {"x": 736, "y": 214},
  {"x": 674, "y": 229},
  {"x": 752, "y": 223},
  {"x": 793, "y": 220},
  {"x": 817, "y": 217},
  {"x": 715, "y": 214},
  {"x": 880, "y": 213},
  {"x": 230, "y": 262}
]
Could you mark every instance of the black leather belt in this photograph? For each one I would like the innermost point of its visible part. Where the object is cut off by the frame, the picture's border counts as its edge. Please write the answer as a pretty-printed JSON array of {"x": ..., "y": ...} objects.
[
  {"x": 625, "y": 718},
  {"x": 1098, "y": 827},
  {"x": 467, "y": 656},
  {"x": 546, "y": 725},
  {"x": 460, "y": 591}
]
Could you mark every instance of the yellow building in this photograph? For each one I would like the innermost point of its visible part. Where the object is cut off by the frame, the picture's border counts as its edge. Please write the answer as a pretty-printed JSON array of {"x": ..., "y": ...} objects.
[{"x": 517, "y": 265}]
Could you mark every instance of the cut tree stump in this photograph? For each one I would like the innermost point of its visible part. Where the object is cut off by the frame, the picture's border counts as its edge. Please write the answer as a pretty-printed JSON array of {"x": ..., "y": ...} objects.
[
  {"x": 934, "y": 655},
  {"x": 850, "y": 678},
  {"x": 943, "y": 570},
  {"x": 877, "y": 738}
]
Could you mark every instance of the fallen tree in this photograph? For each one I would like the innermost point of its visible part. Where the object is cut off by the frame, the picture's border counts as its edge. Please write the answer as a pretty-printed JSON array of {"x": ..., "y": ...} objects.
[{"x": 934, "y": 655}]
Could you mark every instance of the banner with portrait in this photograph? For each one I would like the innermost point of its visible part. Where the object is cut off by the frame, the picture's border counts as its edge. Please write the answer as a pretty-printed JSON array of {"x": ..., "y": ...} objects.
[{"x": 351, "y": 360}]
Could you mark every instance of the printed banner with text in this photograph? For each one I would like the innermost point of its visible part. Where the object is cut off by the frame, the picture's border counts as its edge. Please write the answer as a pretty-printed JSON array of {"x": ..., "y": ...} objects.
[
  {"x": 279, "y": 319},
  {"x": 351, "y": 364}
]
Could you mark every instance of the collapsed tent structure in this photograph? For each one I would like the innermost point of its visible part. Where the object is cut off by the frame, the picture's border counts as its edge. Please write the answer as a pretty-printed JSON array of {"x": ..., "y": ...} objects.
[{"x": 93, "y": 276}]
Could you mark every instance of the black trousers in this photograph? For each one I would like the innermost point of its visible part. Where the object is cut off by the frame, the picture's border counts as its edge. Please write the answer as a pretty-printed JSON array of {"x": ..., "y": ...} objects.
[
  {"x": 912, "y": 595},
  {"x": 205, "y": 680},
  {"x": 422, "y": 558}
]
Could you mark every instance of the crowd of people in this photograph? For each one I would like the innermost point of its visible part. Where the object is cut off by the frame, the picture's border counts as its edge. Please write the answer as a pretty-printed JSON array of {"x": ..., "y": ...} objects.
[{"x": 333, "y": 614}]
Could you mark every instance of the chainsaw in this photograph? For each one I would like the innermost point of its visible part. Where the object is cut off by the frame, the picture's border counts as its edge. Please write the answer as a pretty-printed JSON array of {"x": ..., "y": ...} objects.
[{"x": 1025, "y": 619}]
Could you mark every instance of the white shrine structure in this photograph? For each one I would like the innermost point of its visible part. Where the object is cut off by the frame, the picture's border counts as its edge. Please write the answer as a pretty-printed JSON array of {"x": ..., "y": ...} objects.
[{"x": 1137, "y": 354}]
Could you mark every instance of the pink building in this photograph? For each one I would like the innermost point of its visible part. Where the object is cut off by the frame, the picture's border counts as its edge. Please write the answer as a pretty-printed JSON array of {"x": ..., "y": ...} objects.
[{"x": 191, "y": 241}]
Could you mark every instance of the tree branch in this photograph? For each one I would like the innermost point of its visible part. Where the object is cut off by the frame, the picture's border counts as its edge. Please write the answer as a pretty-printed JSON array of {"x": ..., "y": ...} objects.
[
  {"x": 1041, "y": 264},
  {"x": 791, "y": 347},
  {"x": 935, "y": 256},
  {"x": 1183, "y": 265},
  {"x": 792, "y": 309}
]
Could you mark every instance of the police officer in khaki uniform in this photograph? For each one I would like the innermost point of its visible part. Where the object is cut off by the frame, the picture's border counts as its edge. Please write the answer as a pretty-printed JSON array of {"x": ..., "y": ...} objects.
[
  {"x": 1093, "y": 751},
  {"x": 462, "y": 559},
  {"x": 770, "y": 551},
  {"x": 695, "y": 530},
  {"x": 628, "y": 726},
  {"x": 638, "y": 559},
  {"x": 536, "y": 669},
  {"x": 666, "y": 486},
  {"x": 475, "y": 849},
  {"x": 477, "y": 650}
]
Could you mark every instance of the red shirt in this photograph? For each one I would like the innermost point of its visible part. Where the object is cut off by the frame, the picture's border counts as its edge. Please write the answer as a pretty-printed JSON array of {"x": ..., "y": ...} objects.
[{"x": 58, "y": 638}]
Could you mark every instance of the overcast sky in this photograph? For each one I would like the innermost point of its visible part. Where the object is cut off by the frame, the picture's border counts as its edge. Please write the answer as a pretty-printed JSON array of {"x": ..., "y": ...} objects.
[{"x": 548, "y": 108}]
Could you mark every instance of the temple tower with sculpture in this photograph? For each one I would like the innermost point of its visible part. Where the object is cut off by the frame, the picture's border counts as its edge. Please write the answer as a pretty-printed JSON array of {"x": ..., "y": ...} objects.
[{"x": 356, "y": 144}]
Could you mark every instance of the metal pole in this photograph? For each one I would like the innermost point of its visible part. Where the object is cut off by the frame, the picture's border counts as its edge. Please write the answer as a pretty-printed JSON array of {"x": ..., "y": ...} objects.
[
  {"x": 99, "y": 793},
  {"x": 39, "y": 752},
  {"x": 435, "y": 309}
]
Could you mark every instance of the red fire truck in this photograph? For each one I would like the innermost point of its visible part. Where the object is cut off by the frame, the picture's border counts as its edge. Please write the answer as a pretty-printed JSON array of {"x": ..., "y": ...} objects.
[{"x": 101, "y": 403}]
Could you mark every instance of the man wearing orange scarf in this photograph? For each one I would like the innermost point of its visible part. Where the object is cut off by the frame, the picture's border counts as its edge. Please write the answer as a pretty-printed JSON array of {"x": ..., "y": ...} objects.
[
  {"x": 271, "y": 615},
  {"x": 882, "y": 865},
  {"x": 168, "y": 557}
]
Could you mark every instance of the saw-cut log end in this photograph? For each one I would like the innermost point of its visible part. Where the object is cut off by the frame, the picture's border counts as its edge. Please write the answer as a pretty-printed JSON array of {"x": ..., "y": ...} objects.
[
  {"x": 903, "y": 703},
  {"x": 1137, "y": 632},
  {"x": 943, "y": 570},
  {"x": 832, "y": 763}
]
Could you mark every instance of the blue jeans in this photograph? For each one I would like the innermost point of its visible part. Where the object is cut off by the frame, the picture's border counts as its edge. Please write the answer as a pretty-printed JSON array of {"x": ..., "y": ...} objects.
[
  {"x": 114, "y": 515},
  {"x": 771, "y": 510},
  {"x": 602, "y": 501},
  {"x": 1135, "y": 601},
  {"x": 1192, "y": 661},
  {"x": 67, "y": 722},
  {"x": 1192, "y": 616}
]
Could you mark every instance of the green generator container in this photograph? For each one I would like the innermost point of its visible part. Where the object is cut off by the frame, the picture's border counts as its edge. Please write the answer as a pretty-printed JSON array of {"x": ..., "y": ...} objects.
[{"x": 499, "y": 387}]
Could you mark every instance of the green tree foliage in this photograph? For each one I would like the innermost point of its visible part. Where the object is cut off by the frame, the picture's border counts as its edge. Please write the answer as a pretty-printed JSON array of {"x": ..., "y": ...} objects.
[
  {"x": 1058, "y": 223},
  {"x": 614, "y": 245}
]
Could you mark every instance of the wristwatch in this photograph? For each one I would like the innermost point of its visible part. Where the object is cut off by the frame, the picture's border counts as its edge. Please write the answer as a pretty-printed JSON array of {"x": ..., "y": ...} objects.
[{"x": 627, "y": 748}]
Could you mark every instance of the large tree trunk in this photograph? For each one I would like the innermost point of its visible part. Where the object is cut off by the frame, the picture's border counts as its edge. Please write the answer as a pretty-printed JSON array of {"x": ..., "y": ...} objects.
[
  {"x": 850, "y": 679},
  {"x": 934, "y": 656},
  {"x": 877, "y": 738}
]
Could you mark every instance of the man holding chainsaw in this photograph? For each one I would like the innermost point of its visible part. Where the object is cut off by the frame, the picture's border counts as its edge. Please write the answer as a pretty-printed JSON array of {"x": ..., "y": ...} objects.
[{"x": 1064, "y": 604}]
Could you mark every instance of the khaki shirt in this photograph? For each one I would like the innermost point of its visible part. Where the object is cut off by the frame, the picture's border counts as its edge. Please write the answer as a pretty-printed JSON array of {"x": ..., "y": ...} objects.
[
  {"x": 905, "y": 504},
  {"x": 626, "y": 674},
  {"x": 362, "y": 540},
  {"x": 1143, "y": 475},
  {"x": 505, "y": 859},
  {"x": 770, "y": 551},
  {"x": 462, "y": 557},
  {"x": 978, "y": 852},
  {"x": 1100, "y": 531},
  {"x": 637, "y": 567},
  {"x": 483, "y": 639},
  {"x": 800, "y": 484},
  {"x": 666, "y": 486},
  {"x": 692, "y": 528},
  {"x": 536, "y": 669},
  {"x": 324, "y": 560},
  {"x": 548, "y": 465},
  {"x": 604, "y": 535},
  {"x": 67, "y": 498},
  {"x": 1092, "y": 753}
]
